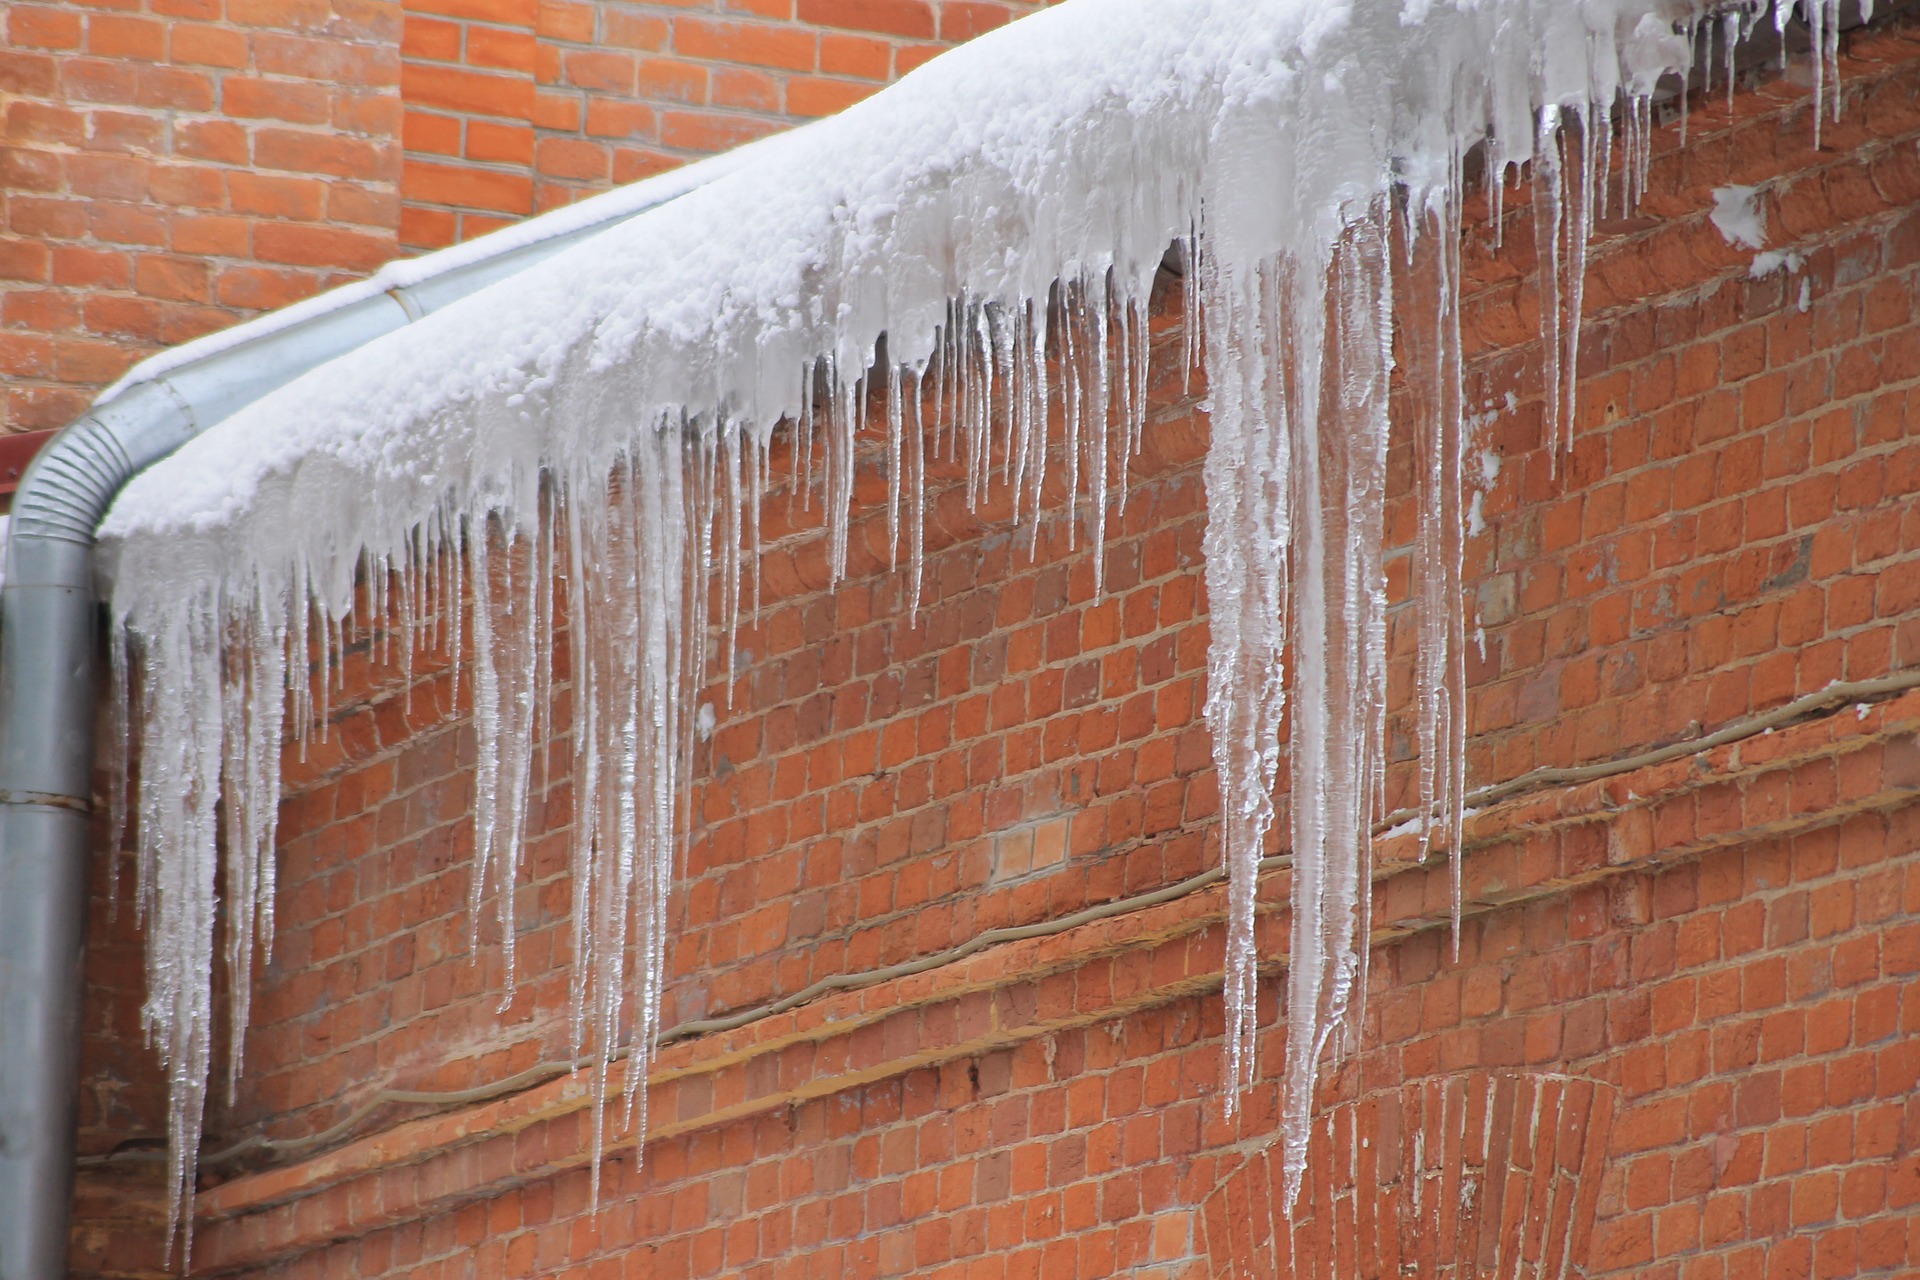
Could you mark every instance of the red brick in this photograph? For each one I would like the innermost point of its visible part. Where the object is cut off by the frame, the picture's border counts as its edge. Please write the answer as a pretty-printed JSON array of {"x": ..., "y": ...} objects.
[
  {"x": 610, "y": 72},
  {"x": 181, "y": 279},
  {"x": 439, "y": 134},
  {"x": 28, "y": 74},
  {"x": 207, "y": 46},
  {"x": 756, "y": 44},
  {"x": 709, "y": 131},
  {"x": 174, "y": 88},
  {"x": 274, "y": 100},
  {"x": 211, "y": 236},
  {"x": 745, "y": 90},
  {"x": 118, "y": 36},
  {"x": 964, "y": 19},
  {"x": 263, "y": 288},
  {"x": 275, "y": 197},
  {"x": 107, "y": 177},
  {"x": 35, "y": 27},
  {"x": 24, "y": 260},
  {"x": 427, "y": 228},
  {"x": 908, "y": 18},
  {"x": 502, "y": 143},
  {"x": 618, "y": 119},
  {"x": 572, "y": 158},
  {"x": 42, "y": 122},
  {"x": 667, "y": 80},
  {"x": 220, "y": 140},
  {"x": 507, "y": 50},
  {"x": 562, "y": 20},
  {"x": 459, "y": 91},
  {"x": 315, "y": 153},
  {"x": 844, "y": 55},
  {"x": 468, "y": 188},
  {"x": 812, "y": 96},
  {"x": 431, "y": 39},
  {"x": 330, "y": 61},
  {"x": 636, "y": 31}
]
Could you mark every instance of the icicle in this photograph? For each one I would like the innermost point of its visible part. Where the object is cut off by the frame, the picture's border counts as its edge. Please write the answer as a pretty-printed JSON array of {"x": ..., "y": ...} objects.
[
  {"x": 118, "y": 731},
  {"x": 1339, "y": 631},
  {"x": 896, "y": 460},
  {"x": 1434, "y": 342},
  {"x": 1731, "y": 34},
  {"x": 180, "y": 726},
  {"x": 1249, "y": 529},
  {"x": 1101, "y": 408}
]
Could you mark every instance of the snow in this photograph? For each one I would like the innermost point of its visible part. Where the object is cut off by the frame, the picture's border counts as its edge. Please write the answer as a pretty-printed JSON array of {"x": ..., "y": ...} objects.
[
  {"x": 1738, "y": 217},
  {"x": 593, "y": 436}
]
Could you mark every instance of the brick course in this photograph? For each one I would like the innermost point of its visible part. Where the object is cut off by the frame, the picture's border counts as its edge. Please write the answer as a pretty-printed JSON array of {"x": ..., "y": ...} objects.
[{"x": 1727, "y": 942}]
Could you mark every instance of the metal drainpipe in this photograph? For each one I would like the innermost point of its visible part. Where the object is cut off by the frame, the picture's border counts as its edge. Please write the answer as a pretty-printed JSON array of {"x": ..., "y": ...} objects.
[{"x": 48, "y": 632}]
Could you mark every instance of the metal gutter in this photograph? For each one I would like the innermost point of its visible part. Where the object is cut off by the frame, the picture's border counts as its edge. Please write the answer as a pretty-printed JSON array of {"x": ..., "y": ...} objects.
[{"x": 48, "y": 652}]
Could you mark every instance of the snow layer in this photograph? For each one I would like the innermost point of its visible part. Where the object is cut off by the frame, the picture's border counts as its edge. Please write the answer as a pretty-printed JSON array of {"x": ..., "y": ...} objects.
[
  {"x": 1738, "y": 216},
  {"x": 595, "y": 432}
]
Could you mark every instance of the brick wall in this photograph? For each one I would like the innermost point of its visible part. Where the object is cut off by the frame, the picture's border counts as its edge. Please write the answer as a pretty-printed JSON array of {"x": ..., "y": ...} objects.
[
  {"x": 1721, "y": 947},
  {"x": 173, "y": 166}
]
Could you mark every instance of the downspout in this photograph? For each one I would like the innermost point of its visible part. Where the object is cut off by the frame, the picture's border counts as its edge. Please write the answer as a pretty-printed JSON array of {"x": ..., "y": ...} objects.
[{"x": 48, "y": 630}]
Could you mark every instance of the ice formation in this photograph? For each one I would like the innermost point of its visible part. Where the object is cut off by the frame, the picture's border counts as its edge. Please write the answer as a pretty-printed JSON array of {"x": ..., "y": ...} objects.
[
  {"x": 1738, "y": 216},
  {"x": 975, "y": 248}
]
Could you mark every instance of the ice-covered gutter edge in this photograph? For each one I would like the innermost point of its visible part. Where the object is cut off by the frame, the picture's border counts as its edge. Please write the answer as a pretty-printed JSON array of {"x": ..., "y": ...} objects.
[{"x": 48, "y": 621}]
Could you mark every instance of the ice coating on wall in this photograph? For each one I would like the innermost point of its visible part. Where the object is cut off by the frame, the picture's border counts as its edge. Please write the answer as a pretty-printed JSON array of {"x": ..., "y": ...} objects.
[{"x": 593, "y": 437}]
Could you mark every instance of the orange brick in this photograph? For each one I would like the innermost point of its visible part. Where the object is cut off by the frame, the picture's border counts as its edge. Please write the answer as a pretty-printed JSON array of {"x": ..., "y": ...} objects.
[
  {"x": 315, "y": 246},
  {"x": 709, "y": 131},
  {"x": 211, "y": 235},
  {"x": 35, "y": 27},
  {"x": 274, "y": 100},
  {"x": 608, "y": 119},
  {"x": 493, "y": 47},
  {"x": 636, "y": 31},
  {"x": 427, "y": 228},
  {"x": 467, "y": 188},
  {"x": 220, "y": 140},
  {"x": 431, "y": 132},
  {"x": 505, "y": 144},
  {"x": 572, "y": 158},
  {"x": 276, "y": 197},
  {"x": 609, "y": 72},
  {"x": 752, "y": 43},
  {"x": 300, "y": 152},
  {"x": 556, "y": 111},
  {"x": 911, "y": 19},
  {"x": 431, "y": 39},
  {"x": 460, "y": 91},
  {"x": 560, "y": 20},
  {"x": 744, "y": 90},
  {"x": 964, "y": 19},
  {"x": 668, "y": 80},
  {"x": 207, "y": 46},
  {"x": 123, "y": 37},
  {"x": 860, "y": 56},
  {"x": 813, "y": 96}
]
